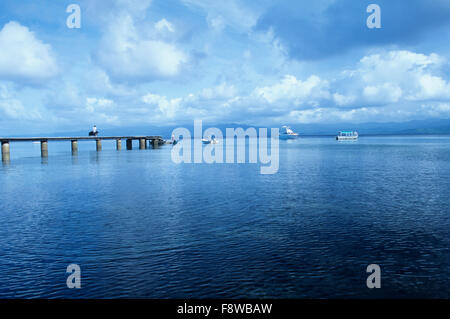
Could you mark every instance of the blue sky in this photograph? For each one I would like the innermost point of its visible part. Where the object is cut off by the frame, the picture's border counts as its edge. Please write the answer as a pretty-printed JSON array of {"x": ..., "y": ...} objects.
[{"x": 167, "y": 62}]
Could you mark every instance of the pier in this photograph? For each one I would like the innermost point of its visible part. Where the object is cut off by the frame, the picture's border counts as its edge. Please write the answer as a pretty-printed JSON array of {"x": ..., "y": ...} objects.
[{"x": 144, "y": 142}]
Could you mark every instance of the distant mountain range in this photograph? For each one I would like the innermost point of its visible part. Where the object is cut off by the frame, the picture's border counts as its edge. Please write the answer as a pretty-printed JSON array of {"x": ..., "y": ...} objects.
[
  {"x": 439, "y": 126},
  {"x": 392, "y": 128}
]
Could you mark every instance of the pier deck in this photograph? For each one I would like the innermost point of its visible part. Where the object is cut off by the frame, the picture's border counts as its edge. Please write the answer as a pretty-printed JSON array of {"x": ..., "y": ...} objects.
[
  {"x": 71, "y": 138},
  {"x": 154, "y": 140}
]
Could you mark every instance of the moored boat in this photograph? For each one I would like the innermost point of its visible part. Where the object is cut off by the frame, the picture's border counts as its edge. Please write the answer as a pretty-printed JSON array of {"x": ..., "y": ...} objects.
[
  {"x": 347, "y": 136},
  {"x": 210, "y": 141},
  {"x": 286, "y": 133}
]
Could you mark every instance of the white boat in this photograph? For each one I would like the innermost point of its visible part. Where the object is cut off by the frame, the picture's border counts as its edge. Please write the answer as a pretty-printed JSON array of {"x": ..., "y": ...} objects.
[
  {"x": 347, "y": 136},
  {"x": 286, "y": 133},
  {"x": 209, "y": 141},
  {"x": 172, "y": 140}
]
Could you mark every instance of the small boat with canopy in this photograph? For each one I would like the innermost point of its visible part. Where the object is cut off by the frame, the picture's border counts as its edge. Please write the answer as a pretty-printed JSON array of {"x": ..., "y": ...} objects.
[{"x": 347, "y": 136}]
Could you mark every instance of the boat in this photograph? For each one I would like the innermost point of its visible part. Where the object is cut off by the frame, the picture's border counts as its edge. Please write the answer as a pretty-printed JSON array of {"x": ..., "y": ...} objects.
[
  {"x": 347, "y": 136},
  {"x": 210, "y": 141},
  {"x": 172, "y": 141},
  {"x": 286, "y": 133}
]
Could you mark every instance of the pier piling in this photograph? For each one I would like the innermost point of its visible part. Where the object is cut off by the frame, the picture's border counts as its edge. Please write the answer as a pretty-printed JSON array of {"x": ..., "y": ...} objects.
[
  {"x": 155, "y": 143},
  {"x": 129, "y": 144},
  {"x": 5, "y": 151},
  {"x": 74, "y": 146},
  {"x": 99, "y": 145},
  {"x": 44, "y": 148},
  {"x": 118, "y": 144},
  {"x": 142, "y": 144}
]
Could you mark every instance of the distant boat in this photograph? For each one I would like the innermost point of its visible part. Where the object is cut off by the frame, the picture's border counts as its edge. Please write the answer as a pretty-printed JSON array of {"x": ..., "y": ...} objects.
[
  {"x": 347, "y": 136},
  {"x": 172, "y": 141},
  {"x": 210, "y": 141},
  {"x": 286, "y": 133}
]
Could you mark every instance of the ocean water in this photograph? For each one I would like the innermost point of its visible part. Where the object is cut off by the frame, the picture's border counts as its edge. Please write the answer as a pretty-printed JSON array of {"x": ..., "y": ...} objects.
[{"x": 141, "y": 226}]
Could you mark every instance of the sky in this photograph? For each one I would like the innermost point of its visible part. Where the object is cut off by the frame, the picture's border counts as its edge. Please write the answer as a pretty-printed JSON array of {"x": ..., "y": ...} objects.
[{"x": 262, "y": 63}]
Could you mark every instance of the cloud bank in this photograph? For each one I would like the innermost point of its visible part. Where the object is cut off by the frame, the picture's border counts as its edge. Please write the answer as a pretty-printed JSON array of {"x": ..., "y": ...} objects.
[
  {"x": 266, "y": 63},
  {"x": 23, "y": 56}
]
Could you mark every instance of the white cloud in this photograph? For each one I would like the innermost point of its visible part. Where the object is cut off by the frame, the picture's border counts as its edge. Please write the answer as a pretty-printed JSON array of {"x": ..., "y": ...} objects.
[
  {"x": 234, "y": 13},
  {"x": 98, "y": 82},
  {"x": 217, "y": 23},
  {"x": 168, "y": 107},
  {"x": 95, "y": 104},
  {"x": 127, "y": 53},
  {"x": 436, "y": 109},
  {"x": 209, "y": 104},
  {"x": 370, "y": 92},
  {"x": 432, "y": 87},
  {"x": 321, "y": 115},
  {"x": 163, "y": 25},
  {"x": 134, "y": 7},
  {"x": 298, "y": 92},
  {"x": 12, "y": 108},
  {"x": 393, "y": 65},
  {"x": 23, "y": 56},
  {"x": 221, "y": 91},
  {"x": 397, "y": 74},
  {"x": 340, "y": 99},
  {"x": 382, "y": 94}
]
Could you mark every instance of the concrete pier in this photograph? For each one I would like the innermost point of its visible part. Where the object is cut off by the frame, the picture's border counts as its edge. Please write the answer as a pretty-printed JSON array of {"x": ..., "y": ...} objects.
[
  {"x": 5, "y": 151},
  {"x": 129, "y": 144},
  {"x": 5, "y": 141},
  {"x": 44, "y": 148},
  {"x": 74, "y": 146},
  {"x": 142, "y": 144},
  {"x": 98, "y": 145}
]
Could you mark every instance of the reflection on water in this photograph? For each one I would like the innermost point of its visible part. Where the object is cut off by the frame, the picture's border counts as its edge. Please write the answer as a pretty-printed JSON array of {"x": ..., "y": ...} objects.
[{"x": 141, "y": 226}]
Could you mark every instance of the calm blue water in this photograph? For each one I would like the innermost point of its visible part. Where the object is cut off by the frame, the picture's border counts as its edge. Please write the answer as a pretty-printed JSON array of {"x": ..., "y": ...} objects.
[{"x": 141, "y": 226}]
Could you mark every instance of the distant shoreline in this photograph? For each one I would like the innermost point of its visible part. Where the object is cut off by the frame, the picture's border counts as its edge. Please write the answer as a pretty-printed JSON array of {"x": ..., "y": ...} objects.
[{"x": 377, "y": 135}]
